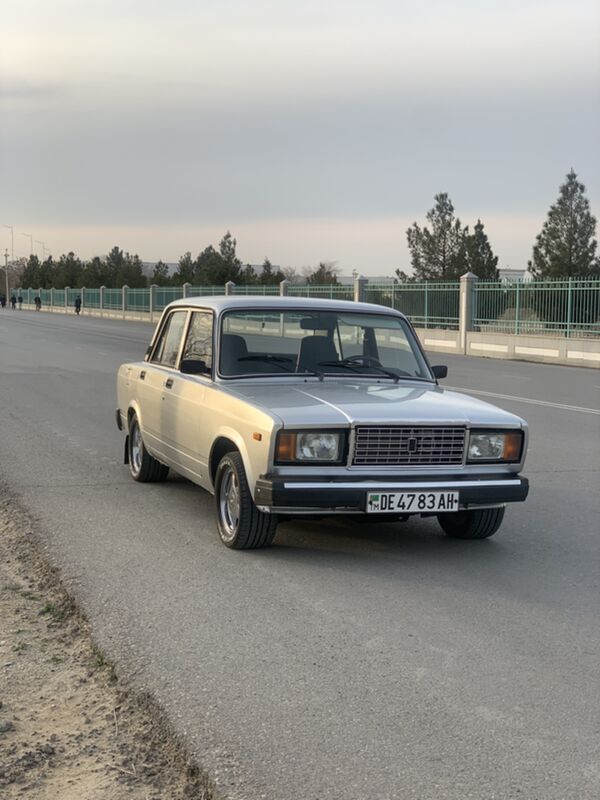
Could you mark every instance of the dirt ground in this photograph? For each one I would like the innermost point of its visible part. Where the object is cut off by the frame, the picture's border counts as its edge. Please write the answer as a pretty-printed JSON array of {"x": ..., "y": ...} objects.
[{"x": 68, "y": 729}]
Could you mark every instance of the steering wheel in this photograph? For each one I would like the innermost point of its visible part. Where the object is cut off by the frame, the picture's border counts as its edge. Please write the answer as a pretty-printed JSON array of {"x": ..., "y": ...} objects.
[{"x": 364, "y": 360}]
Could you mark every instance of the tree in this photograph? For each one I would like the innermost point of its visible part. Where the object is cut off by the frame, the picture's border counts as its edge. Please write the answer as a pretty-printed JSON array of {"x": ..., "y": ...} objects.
[
  {"x": 325, "y": 274},
  {"x": 566, "y": 245},
  {"x": 480, "y": 258},
  {"x": 269, "y": 276},
  {"x": 290, "y": 274},
  {"x": 185, "y": 271},
  {"x": 94, "y": 273},
  {"x": 31, "y": 277},
  {"x": 160, "y": 274},
  {"x": 439, "y": 253},
  {"x": 131, "y": 273},
  {"x": 210, "y": 268},
  {"x": 68, "y": 271}
]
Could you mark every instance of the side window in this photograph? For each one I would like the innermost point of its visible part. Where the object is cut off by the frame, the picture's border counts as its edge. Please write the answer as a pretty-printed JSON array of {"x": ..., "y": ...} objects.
[
  {"x": 167, "y": 347},
  {"x": 198, "y": 345}
]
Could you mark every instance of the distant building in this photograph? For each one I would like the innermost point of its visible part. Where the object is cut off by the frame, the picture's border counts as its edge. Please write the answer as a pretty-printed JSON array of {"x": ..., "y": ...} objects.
[{"x": 508, "y": 275}]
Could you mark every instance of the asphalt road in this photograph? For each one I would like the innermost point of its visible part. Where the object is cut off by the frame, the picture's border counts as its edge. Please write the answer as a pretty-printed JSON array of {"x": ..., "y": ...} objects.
[{"x": 347, "y": 661}]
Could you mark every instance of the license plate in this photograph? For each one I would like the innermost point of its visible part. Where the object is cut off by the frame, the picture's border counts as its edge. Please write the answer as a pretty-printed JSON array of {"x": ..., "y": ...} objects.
[{"x": 411, "y": 502}]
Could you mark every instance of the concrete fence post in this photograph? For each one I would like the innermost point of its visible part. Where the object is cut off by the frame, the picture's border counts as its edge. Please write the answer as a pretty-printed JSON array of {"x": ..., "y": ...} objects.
[
  {"x": 466, "y": 311},
  {"x": 52, "y": 297},
  {"x": 229, "y": 288},
  {"x": 152, "y": 303},
  {"x": 283, "y": 287},
  {"x": 102, "y": 288},
  {"x": 82, "y": 292},
  {"x": 67, "y": 295},
  {"x": 360, "y": 285},
  {"x": 39, "y": 292},
  {"x": 124, "y": 290},
  {"x": 186, "y": 289}
]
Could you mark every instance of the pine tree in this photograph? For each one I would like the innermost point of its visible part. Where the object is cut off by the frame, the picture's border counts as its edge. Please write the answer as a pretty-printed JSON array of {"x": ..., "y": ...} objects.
[
  {"x": 480, "y": 257},
  {"x": 185, "y": 271},
  {"x": 269, "y": 276},
  {"x": 566, "y": 245},
  {"x": 160, "y": 274},
  {"x": 439, "y": 253}
]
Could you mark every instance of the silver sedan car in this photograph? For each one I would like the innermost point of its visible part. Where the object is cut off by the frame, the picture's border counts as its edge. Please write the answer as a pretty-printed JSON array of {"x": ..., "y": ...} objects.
[{"x": 284, "y": 407}]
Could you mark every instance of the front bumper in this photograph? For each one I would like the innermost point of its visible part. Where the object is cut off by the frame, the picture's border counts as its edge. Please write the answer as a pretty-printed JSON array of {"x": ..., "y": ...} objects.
[{"x": 349, "y": 495}]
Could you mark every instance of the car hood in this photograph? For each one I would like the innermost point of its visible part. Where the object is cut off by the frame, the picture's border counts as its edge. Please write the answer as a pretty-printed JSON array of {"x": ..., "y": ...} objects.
[{"x": 337, "y": 403}]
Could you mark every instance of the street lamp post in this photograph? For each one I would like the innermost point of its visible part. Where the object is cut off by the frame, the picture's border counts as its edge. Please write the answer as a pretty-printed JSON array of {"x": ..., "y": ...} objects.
[
  {"x": 6, "y": 271},
  {"x": 12, "y": 241},
  {"x": 30, "y": 237}
]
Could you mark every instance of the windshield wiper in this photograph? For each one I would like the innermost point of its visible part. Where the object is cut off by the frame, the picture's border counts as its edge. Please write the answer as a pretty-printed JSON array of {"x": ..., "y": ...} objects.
[
  {"x": 265, "y": 357},
  {"x": 356, "y": 367},
  {"x": 279, "y": 362}
]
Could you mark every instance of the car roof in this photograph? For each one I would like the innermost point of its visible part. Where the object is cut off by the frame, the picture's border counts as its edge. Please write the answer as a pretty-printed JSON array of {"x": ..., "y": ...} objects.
[{"x": 220, "y": 303}]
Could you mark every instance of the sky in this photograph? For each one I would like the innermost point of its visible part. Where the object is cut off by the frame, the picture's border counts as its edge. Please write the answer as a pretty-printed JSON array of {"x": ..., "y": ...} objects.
[{"x": 314, "y": 131}]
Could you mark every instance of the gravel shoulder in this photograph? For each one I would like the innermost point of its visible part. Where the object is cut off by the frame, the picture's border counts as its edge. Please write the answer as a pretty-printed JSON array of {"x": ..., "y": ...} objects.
[{"x": 69, "y": 726}]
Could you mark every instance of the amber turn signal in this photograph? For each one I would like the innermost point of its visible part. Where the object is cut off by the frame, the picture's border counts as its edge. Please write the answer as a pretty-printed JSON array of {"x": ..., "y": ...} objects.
[
  {"x": 512, "y": 446},
  {"x": 286, "y": 447}
]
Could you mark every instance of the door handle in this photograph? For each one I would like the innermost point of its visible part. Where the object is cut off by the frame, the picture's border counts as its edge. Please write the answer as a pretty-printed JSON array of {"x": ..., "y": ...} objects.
[
  {"x": 142, "y": 374},
  {"x": 169, "y": 383}
]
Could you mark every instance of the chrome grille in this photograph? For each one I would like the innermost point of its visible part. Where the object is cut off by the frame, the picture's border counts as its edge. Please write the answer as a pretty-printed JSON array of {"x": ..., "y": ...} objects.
[{"x": 394, "y": 445}]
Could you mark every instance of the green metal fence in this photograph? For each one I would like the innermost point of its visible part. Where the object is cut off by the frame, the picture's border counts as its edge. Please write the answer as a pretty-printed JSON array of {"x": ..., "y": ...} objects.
[
  {"x": 138, "y": 300},
  {"x": 333, "y": 292},
  {"x": 261, "y": 291},
  {"x": 427, "y": 305},
  {"x": 569, "y": 307}
]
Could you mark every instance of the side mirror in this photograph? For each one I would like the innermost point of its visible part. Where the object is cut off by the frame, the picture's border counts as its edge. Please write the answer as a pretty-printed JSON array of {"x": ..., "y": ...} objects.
[
  {"x": 440, "y": 372},
  {"x": 193, "y": 366}
]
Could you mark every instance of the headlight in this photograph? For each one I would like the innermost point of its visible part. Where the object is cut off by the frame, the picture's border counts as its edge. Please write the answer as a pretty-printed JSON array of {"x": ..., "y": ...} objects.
[
  {"x": 495, "y": 446},
  {"x": 308, "y": 446}
]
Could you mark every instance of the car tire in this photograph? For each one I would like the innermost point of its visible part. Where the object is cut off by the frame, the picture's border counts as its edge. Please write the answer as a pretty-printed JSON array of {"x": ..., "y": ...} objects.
[
  {"x": 476, "y": 524},
  {"x": 241, "y": 525},
  {"x": 142, "y": 466}
]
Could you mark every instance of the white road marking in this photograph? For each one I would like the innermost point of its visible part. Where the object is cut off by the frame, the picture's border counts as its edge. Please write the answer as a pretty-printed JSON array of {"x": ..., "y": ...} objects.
[{"x": 530, "y": 400}]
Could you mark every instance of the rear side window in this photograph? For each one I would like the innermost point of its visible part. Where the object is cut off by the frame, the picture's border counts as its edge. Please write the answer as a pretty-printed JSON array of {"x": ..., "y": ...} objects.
[
  {"x": 198, "y": 345},
  {"x": 167, "y": 346}
]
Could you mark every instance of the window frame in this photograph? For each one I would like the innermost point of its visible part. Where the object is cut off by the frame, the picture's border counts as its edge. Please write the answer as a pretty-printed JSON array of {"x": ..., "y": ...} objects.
[
  {"x": 199, "y": 310},
  {"x": 165, "y": 323},
  {"x": 404, "y": 322}
]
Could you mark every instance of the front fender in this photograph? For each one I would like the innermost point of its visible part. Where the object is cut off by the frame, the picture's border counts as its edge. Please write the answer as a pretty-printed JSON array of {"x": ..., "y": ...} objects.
[{"x": 225, "y": 432}]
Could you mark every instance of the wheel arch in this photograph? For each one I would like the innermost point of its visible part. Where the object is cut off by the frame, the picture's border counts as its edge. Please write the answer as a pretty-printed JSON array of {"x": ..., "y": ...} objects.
[{"x": 225, "y": 441}]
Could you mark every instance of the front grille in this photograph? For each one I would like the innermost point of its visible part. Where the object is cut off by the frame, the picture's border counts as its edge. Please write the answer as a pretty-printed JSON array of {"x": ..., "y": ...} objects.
[{"x": 394, "y": 445}]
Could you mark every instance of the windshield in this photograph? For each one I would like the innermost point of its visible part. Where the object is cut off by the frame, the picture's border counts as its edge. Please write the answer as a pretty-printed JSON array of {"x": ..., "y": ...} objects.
[{"x": 268, "y": 342}]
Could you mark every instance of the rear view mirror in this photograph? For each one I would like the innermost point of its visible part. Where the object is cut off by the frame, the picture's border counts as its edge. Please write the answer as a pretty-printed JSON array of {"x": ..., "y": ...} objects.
[
  {"x": 319, "y": 322},
  {"x": 194, "y": 366},
  {"x": 440, "y": 371}
]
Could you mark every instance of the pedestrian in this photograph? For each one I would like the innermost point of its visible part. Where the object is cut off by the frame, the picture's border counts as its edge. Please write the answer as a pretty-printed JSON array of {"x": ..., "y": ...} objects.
[
  {"x": 38, "y": 302},
  {"x": 20, "y": 302},
  {"x": 13, "y": 302},
  {"x": 2, "y": 301},
  {"x": 77, "y": 305}
]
